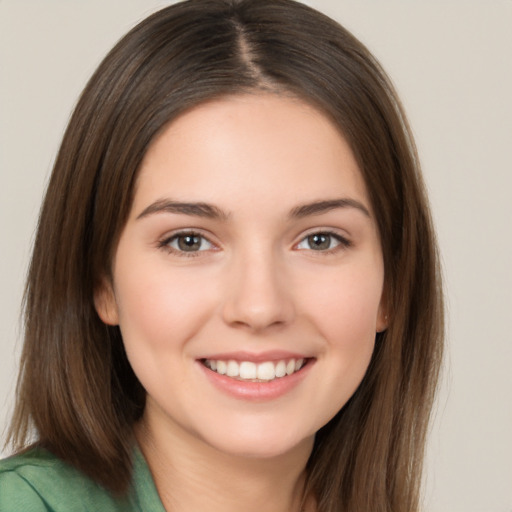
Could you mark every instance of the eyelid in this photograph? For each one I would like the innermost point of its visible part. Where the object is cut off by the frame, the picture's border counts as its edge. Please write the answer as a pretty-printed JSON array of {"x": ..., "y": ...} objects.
[
  {"x": 164, "y": 242},
  {"x": 344, "y": 240}
]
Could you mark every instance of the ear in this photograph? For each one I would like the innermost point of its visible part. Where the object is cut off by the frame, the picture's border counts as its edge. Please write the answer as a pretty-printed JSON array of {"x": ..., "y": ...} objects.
[
  {"x": 382, "y": 314},
  {"x": 105, "y": 302}
]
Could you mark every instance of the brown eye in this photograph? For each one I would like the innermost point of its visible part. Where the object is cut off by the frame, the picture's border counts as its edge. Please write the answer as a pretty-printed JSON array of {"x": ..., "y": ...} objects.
[
  {"x": 322, "y": 241},
  {"x": 319, "y": 241},
  {"x": 188, "y": 242}
]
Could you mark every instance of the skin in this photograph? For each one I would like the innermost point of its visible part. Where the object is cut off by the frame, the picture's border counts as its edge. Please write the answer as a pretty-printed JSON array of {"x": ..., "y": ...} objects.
[{"x": 256, "y": 284}]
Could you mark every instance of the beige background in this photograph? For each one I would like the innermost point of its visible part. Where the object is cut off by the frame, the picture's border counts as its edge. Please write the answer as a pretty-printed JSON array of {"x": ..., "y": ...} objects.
[{"x": 452, "y": 64}]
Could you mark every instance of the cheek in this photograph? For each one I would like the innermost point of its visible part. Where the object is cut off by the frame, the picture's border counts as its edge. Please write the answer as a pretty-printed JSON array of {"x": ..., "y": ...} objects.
[
  {"x": 345, "y": 311},
  {"x": 346, "y": 306},
  {"x": 158, "y": 310}
]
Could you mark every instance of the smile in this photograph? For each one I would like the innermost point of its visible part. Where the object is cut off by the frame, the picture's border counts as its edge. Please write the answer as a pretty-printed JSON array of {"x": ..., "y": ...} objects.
[{"x": 266, "y": 371}]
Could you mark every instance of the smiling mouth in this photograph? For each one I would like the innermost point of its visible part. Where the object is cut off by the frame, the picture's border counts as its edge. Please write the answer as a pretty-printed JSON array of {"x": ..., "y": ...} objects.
[{"x": 266, "y": 371}]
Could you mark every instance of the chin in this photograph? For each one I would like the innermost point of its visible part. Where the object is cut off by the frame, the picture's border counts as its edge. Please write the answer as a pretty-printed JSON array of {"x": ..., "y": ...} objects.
[{"x": 261, "y": 444}]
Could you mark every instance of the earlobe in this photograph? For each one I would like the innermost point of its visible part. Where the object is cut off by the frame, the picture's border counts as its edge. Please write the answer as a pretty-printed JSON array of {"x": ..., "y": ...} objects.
[
  {"x": 382, "y": 323},
  {"x": 382, "y": 317},
  {"x": 105, "y": 302}
]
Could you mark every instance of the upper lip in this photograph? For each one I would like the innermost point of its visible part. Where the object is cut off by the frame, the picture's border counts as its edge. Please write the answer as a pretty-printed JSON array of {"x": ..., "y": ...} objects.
[{"x": 272, "y": 355}]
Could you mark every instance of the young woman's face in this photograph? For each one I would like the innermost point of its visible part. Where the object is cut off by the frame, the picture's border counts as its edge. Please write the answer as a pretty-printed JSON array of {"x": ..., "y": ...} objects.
[{"x": 247, "y": 282}]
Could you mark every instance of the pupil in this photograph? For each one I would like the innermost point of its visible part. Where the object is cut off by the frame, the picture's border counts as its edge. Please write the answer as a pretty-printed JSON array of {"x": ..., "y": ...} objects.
[
  {"x": 189, "y": 243},
  {"x": 319, "y": 241}
]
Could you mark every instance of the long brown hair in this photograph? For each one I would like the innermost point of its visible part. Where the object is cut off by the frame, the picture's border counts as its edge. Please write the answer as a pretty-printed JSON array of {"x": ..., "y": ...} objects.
[{"x": 76, "y": 388}]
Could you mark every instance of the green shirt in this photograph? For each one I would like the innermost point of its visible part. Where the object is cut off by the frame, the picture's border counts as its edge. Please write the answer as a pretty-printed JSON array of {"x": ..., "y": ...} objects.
[{"x": 37, "y": 481}]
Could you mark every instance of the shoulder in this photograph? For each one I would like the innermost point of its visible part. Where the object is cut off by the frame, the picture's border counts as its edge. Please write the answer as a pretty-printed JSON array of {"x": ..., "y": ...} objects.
[
  {"x": 16, "y": 490},
  {"x": 16, "y": 494},
  {"x": 37, "y": 481}
]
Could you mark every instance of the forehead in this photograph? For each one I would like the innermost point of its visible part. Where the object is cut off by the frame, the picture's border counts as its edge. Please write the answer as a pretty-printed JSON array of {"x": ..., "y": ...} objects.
[{"x": 262, "y": 146}]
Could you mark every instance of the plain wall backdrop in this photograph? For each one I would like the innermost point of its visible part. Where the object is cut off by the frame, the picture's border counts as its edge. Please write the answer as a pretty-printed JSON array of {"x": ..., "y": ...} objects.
[{"x": 452, "y": 64}]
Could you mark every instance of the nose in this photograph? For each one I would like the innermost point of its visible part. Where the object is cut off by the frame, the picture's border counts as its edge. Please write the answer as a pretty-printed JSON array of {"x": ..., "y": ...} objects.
[{"x": 258, "y": 295}]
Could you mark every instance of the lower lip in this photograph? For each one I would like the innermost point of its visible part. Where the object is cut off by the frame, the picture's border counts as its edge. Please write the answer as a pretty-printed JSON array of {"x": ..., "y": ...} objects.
[{"x": 256, "y": 391}]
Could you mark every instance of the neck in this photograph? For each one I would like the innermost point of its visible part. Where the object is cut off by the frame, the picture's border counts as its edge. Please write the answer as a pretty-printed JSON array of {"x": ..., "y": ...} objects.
[{"x": 191, "y": 476}]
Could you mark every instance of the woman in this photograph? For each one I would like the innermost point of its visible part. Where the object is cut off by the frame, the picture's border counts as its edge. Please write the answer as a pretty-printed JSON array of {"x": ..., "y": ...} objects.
[{"x": 234, "y": 298}]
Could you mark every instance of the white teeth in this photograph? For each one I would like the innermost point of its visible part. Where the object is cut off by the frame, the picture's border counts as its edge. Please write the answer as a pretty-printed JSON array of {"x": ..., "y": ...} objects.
[
  {"x": 221, "y": 367},
  {"x": 247, "y": 370},
  {"x": 281, "y": 368},
  {"x": 266, "y": 371},
  {"x": 232, "y": 369}
]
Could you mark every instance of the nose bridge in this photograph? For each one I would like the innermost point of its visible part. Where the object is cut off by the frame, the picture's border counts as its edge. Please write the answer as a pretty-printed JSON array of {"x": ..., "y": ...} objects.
[{"x": 258, "y": 295}]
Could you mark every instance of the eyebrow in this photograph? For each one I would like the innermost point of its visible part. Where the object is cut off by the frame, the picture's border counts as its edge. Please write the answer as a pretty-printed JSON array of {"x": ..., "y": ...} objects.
[
  {"x": 210, "y": 211},
  {"x": 319, "y": 207},
  {"x": 204, "y": 210}
]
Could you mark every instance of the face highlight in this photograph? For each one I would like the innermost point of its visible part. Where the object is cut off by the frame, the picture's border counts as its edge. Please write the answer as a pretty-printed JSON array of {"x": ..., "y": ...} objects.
[{"x": 247, "y": 281}]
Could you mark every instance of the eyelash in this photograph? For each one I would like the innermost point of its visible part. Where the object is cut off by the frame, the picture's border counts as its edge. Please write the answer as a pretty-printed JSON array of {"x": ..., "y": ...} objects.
[
  {"x": 165, "y": 243},
  {"x": 342, "y": 243}
]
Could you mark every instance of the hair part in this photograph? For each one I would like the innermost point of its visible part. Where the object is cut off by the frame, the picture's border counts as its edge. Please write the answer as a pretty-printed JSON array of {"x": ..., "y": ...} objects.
[{"x": 76, "y": 387}]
